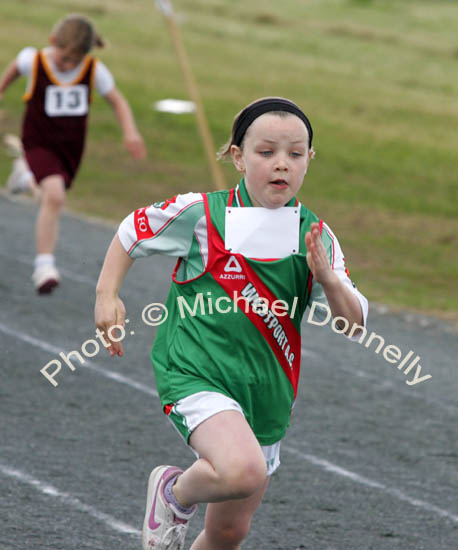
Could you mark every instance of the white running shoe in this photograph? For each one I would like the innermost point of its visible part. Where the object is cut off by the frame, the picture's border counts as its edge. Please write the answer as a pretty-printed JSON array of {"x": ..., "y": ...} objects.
[
  {"x": 164, "y": 527},
  {"x": 45, "y": 278},
  {"x": 19, "y": 181}
]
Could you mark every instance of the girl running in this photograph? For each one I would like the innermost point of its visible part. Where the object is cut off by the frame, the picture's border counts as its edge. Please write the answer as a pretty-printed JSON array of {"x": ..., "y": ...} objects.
[
  {"x": 227, "y": 359},
  {"x": 61, "y": 79}
]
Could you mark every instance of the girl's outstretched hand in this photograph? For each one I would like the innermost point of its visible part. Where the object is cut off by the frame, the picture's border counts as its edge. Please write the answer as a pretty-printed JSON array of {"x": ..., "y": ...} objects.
[
  {"x": 135, "y": 145},
  {"x": 109, "y": 312},
  {"x": 317, "y": 257}
]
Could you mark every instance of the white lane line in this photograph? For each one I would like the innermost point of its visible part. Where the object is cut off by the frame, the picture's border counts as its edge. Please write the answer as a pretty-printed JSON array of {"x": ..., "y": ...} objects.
[
  {"x": 330, "y": 467},
  {"x": 66, "y": 498},
  {"x": 320, "y": 462},
  {"x": 111, "y": 375}
]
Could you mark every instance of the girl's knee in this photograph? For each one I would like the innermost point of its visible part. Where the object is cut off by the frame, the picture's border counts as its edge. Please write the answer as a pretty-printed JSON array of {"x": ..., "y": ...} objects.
[
  {"x": 56, "y": 201},
  {"x": 245, "y": 476},
  {"x": 53, "y": 192}
]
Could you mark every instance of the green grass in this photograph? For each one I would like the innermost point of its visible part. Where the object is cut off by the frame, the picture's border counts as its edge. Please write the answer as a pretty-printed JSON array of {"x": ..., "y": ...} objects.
[{"x": 377, "y": 78}]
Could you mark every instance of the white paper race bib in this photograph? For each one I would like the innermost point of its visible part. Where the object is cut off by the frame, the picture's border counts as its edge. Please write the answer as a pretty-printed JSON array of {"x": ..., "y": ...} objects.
[
  {"x": 263, "y": 232},
  {"x": 66, "y": 100}
]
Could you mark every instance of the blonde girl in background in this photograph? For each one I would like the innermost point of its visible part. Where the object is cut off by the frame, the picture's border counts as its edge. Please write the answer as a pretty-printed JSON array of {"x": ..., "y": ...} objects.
[{"x": 61, "y": 79}]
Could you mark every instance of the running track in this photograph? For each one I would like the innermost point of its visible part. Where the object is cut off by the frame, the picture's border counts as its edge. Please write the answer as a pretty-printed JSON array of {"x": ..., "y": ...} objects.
[{"x": 369, "y": 462}]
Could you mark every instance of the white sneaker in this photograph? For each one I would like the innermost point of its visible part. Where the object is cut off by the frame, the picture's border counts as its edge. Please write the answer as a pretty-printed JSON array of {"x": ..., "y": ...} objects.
[
  {"x": 45, "y": 278},
  {"x": 19, "y": 181},
  {"x": 164, "y": 527}
]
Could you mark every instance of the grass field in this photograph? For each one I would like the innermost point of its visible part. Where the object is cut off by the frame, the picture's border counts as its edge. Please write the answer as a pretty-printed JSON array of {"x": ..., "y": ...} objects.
[{"x": 377, "y": 78}]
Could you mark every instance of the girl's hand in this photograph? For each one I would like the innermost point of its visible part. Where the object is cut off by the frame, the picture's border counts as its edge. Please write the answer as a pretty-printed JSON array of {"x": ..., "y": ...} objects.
[
  {"x": 135, "y": 145},
  {"x": 317, "y": 257},
  {"x": 110, "y": 311}
]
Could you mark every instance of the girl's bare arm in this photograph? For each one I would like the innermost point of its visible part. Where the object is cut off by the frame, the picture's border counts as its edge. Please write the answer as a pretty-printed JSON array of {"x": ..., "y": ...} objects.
[{"x": 109, "y": 308}]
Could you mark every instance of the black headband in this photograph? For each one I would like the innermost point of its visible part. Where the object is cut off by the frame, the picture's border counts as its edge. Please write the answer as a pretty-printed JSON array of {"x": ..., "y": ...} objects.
[{"x": 252, "y": 112}]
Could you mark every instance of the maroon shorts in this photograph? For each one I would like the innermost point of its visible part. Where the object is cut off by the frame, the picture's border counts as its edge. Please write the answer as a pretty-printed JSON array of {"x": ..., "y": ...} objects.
[{"x": 44, "y": 162}]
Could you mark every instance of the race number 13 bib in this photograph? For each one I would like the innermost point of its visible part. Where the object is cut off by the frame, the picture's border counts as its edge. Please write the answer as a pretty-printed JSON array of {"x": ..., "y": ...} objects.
[{"x": 66, "y": 100}]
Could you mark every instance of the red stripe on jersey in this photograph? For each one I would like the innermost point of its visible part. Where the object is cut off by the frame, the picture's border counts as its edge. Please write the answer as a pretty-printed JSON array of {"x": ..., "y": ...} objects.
[
  {"x": 168, "y": 202},
  {"x": 231, "y": 197},
  {"x": 240, "y": 197},
  {"x": 346, "y": 268},
  {"x": 280, "y": 333},
  {"x": 168, "y": 408},
  {"x": 142, "y": 226}
]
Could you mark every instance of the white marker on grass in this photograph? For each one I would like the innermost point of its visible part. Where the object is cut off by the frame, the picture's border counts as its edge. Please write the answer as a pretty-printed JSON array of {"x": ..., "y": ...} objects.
[{"x": 174, "y": 106}]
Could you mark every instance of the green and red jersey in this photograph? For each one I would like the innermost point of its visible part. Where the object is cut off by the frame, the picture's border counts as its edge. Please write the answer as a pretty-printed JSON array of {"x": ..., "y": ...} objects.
[{"x": 249, "y": 353}]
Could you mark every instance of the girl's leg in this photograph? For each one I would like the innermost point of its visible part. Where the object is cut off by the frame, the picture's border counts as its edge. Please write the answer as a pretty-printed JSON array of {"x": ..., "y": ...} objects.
[
  {"x": 45, "y": 275},
  {"x": 227, "y": 523},
  {"x": 231, "y": 464},
  {"x": 231, "y": 467},
  {"x": 52, "y": 202}
]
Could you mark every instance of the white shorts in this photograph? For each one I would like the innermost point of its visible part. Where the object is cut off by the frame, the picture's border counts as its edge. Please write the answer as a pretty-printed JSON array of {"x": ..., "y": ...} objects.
[{"x": 187, "y": 413}]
